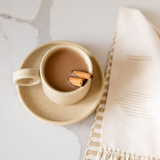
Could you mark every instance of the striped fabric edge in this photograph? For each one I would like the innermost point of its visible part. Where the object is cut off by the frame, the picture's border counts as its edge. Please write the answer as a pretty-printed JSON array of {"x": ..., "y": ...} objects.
[{"x": 95, "y": 140}]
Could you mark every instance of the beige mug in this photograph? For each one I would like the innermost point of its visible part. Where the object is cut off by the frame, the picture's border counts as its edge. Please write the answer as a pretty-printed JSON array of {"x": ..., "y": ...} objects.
[{"x": 30, "y": 76}]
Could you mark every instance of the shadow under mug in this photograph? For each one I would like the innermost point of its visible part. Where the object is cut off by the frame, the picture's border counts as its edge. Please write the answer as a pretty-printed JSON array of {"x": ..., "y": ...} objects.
[{"x": 30, "y": 76}]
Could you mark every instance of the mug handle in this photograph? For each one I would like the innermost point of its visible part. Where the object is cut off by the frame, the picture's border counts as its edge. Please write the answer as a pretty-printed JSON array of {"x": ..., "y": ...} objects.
[{"x": 27, "y": 77}]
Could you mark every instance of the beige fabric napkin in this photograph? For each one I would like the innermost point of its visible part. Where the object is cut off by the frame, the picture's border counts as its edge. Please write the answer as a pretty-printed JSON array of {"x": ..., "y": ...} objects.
[{"x": 127, "y": 123}]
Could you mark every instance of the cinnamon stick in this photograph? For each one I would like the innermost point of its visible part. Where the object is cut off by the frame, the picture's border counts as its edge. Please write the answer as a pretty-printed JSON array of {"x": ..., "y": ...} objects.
[
  {"x": 77, "y": 81},
  {"x": 83, "y": 74}
]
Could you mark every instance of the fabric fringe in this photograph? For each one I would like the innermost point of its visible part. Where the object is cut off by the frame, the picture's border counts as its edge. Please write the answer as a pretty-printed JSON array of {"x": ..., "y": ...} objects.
[{"x": 111, "y": 154}]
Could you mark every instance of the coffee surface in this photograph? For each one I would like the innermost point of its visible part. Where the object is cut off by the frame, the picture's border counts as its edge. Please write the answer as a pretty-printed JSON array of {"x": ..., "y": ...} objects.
[{"x": 58, "y": 68}]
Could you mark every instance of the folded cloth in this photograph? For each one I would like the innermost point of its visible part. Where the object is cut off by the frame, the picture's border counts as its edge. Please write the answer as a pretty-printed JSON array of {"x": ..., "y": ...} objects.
[{"x": 127, "y": 122}]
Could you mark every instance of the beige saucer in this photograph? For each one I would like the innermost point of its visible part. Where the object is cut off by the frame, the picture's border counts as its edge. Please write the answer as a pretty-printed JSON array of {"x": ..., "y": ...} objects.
[{"x": 38, "y": 104}]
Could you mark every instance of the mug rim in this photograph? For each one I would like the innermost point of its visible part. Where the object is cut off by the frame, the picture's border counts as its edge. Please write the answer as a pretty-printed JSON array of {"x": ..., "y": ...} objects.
[{"x": 55, "y": 49}]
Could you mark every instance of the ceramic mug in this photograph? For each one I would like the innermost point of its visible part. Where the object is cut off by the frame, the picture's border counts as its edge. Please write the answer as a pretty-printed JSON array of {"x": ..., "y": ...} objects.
[{"x": 30, "y": 76}]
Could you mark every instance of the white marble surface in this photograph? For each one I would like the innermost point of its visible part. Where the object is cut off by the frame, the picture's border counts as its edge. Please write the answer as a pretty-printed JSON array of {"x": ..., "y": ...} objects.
[{"x": 23, "y": 26}]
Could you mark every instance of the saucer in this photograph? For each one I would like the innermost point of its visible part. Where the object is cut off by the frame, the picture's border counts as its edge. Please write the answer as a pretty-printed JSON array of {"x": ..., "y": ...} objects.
[{"x": 40, "y": 106}]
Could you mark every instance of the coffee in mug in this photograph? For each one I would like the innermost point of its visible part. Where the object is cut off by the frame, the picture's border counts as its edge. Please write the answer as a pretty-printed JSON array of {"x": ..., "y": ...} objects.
[{"x": 59, "y": 66}]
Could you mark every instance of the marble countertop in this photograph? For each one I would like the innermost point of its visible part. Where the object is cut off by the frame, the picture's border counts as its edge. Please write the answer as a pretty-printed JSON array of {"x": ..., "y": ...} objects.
[{"x": 26, "y": 24}]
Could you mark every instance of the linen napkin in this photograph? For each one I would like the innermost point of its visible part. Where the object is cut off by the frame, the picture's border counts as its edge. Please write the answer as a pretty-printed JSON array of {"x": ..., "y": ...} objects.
[{"x": 127, "y": 122}]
